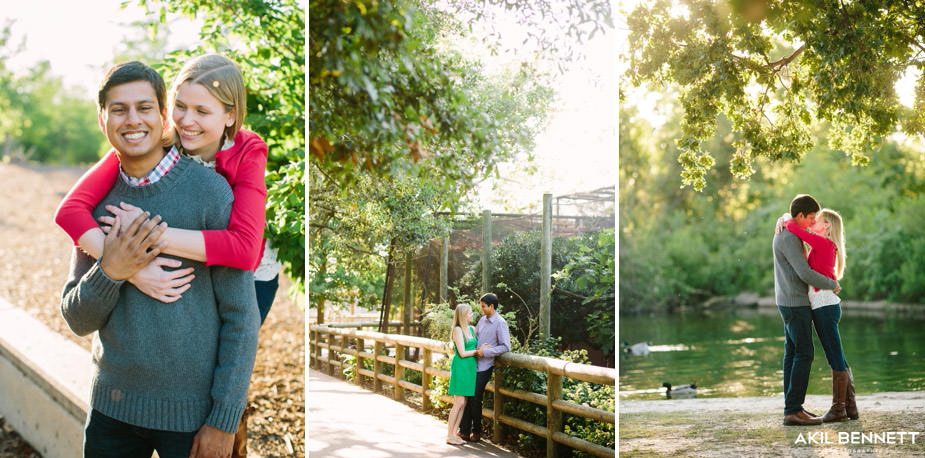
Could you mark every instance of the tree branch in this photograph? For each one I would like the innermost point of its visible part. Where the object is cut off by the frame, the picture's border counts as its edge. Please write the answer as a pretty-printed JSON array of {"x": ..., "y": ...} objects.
[
  {"x": 568, "y": 293},
  {"x": 775, "y": 66}
]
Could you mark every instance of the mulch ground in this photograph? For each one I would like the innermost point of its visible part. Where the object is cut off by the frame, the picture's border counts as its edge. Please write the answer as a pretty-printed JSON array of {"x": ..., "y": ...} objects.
[{"x": 34, "y": 256}]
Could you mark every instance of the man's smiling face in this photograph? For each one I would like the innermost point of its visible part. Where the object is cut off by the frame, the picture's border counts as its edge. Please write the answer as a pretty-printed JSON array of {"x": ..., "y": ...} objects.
[{"x": 132, "y": 120}]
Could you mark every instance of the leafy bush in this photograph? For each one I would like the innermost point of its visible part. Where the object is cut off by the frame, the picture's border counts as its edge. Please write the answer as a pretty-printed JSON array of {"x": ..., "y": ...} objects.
[
  {"x": 590, "y": 273},
  {"x": 516, "y": 276},
  {"x": 441, "y": 385}
]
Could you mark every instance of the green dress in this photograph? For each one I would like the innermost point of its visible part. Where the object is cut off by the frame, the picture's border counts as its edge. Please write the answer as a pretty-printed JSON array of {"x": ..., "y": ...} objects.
[{"x": 462, "y": 371}]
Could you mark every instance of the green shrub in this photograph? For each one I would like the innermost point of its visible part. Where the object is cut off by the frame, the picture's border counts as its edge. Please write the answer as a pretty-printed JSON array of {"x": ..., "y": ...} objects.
[{"x": 516, "y": 279}]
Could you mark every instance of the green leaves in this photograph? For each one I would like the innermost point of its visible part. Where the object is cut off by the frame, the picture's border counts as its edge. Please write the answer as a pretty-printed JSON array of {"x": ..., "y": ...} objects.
[
  {"x": 267, "y": 40},
  {"x": 38, "y": 115},
  {"x": 776, "y": 73}
]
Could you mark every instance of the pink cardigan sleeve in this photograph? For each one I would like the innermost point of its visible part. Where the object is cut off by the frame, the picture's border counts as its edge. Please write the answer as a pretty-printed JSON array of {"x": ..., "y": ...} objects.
[
  {"x": 240, "y": 245},
  {"x": 74, "y": 215},
  {"x": 817, "y": 242}
]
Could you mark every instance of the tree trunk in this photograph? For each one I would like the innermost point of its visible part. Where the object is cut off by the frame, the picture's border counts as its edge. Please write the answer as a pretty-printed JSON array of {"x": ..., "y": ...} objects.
[
  {"x": 387, "y": 293},
  {"x": 319, "y": 308}
]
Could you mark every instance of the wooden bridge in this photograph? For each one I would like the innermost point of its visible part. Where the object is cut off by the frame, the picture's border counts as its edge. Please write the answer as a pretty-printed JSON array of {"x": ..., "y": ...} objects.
[{"x": 328, "y": 342}]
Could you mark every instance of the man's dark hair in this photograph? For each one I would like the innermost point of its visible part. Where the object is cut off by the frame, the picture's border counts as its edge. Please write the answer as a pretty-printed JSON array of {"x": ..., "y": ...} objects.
[
  {"x": 129, "y": 72},
  {"x": 490, "y": 299},
  {"x": 803, "y": 203}
]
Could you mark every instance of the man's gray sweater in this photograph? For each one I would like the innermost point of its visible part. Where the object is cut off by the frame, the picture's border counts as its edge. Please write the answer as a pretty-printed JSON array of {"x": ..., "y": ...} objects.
[
  {"x": 792, "y": 272},
  {"x": 176, "y": 366}
]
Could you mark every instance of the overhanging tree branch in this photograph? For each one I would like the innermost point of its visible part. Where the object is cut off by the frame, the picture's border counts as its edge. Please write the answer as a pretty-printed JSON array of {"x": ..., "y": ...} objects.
[{"x": 775, "y": 66}]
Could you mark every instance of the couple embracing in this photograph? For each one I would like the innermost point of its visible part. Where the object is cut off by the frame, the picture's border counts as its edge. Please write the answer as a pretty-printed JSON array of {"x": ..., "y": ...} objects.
[
  {"x": 175, "y": 310},
  {"x": 805, "y": 289},
  {"x": 473, "y": 362}
]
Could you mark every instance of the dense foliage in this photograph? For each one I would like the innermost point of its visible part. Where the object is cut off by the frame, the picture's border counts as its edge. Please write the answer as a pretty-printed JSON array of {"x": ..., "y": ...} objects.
[
  {"x": 355, "y": 234},
  {"x": 403, "y": 124},
  {"x": 267, "y": 40},
  {"x": 775, "y": 69},
  {"x": 390, "y": 98},
  {"x": 678, "y": 248},
  {"x": 583, "y": 299}
]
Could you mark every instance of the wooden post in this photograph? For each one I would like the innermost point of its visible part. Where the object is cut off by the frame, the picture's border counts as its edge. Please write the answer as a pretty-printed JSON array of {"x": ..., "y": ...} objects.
[
  {"x": 444, "y": 269},
  {"x": 497, "y": 406},
  {"x": 553, "y": 416},
  {"x": 359, "y": 363},
  {"x": 486, "y": 251},
  {"x": 546, "y": 267},
  {"x": 331, "y": 339},
  {"x": 377, "y": 366},
  {"x": 319, "y": 337},
  {"x": 399, "y": 371},
  {"x": 426, "y": 380},
  {"x": 406, "y": 298},
  {"x": 312, "y": 345}
]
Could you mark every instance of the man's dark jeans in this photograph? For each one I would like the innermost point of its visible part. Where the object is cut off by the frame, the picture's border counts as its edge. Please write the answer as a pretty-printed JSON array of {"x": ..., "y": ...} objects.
[
  {"x": 106, "y": 437},
  {"x": 826, "y": 319},
  {"x": 471, "y": 421},
  {"x": 798, "y": 355}
]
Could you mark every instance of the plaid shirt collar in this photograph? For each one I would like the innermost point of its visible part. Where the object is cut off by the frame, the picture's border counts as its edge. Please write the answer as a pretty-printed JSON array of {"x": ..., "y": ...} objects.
[{"x": 170, "y": 159}]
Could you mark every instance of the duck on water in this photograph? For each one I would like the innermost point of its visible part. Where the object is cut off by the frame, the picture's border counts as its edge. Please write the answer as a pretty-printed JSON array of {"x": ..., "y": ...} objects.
[{"x": 680, "y": 391}]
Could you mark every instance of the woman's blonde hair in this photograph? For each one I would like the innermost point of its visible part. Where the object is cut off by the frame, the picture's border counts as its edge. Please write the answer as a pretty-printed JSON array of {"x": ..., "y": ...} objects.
[
  {"x": 222, "y": 78},
  {"x": 835, "y": 233},
  {"x": 459, "y": 316}
]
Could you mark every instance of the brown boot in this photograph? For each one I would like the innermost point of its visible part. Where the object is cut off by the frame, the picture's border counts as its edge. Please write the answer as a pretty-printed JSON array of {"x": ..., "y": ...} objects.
[
  {"x": 851, "y": 407},
  {"x": 839, "y": 393},
  {"x": 801, "y": 418},
  {"x": 239, "y": 450}
]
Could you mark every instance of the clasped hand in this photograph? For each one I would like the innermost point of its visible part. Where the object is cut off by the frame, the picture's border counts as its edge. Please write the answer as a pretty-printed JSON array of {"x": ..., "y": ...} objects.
[
  {"x": 126, "y": 251},
  {"x": 480, "y": 351},
  {"x": 153, "y": 279}
]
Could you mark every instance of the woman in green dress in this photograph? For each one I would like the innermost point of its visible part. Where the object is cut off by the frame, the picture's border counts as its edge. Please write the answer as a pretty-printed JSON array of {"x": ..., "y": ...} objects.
[{"x": 462, "y": 371}]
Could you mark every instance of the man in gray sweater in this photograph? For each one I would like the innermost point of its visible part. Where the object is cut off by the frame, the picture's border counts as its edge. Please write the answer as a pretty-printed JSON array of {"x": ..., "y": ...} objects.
[
  {"x": 791, "y": 276},
  {"x": 166, "y": 377}
]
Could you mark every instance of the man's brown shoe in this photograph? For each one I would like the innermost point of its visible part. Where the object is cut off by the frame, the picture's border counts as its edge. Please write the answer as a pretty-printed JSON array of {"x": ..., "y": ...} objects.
[
  {"x": 810, "y": 413},
  {"x": 801, "y": 419},
  {"x": 474, "y": 437}
]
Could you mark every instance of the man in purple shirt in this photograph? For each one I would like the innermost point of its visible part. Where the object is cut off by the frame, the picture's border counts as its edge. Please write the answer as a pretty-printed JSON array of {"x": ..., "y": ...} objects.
[{"x": 494, "y": 338}]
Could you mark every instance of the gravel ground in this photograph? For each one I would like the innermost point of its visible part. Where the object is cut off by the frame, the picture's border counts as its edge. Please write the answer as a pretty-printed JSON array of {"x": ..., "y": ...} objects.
[{"x": 34, "y": 255}]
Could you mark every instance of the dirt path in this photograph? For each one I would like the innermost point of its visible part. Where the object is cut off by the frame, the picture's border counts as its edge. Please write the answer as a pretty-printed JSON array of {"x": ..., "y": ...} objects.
[
  {"x": 722, "y": 427},
  {"x": 34, "y": 257}
]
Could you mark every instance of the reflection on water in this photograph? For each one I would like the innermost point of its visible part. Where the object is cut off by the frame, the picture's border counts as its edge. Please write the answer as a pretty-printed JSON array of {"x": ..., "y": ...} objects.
[
  {"x": 740, "y": 353},
  {"x": 679, "y": 347}
]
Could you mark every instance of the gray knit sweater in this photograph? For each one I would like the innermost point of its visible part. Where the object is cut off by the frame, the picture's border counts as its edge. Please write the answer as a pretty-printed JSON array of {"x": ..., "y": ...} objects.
[
  {"x": 792, "y": 273},
  {"x": 176, "y": 366}
]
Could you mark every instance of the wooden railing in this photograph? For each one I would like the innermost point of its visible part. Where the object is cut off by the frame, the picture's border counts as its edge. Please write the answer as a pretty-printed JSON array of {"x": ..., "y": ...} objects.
[
  {"x": 371, "y": 325},
  {"x": 326, "y": 343}
]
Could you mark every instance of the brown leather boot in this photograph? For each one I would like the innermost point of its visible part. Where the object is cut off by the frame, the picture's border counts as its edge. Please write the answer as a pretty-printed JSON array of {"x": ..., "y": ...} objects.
[
  {"x": 851, "y": 407},
  {"x": 839, "y": 393},
  {"x": 239, "y": 450},
  {"x": 801, "y": 418}
]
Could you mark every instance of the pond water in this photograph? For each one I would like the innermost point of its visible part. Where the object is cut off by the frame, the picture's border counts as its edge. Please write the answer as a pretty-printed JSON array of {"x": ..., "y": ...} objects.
[{"x": 739, "y": 353}]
